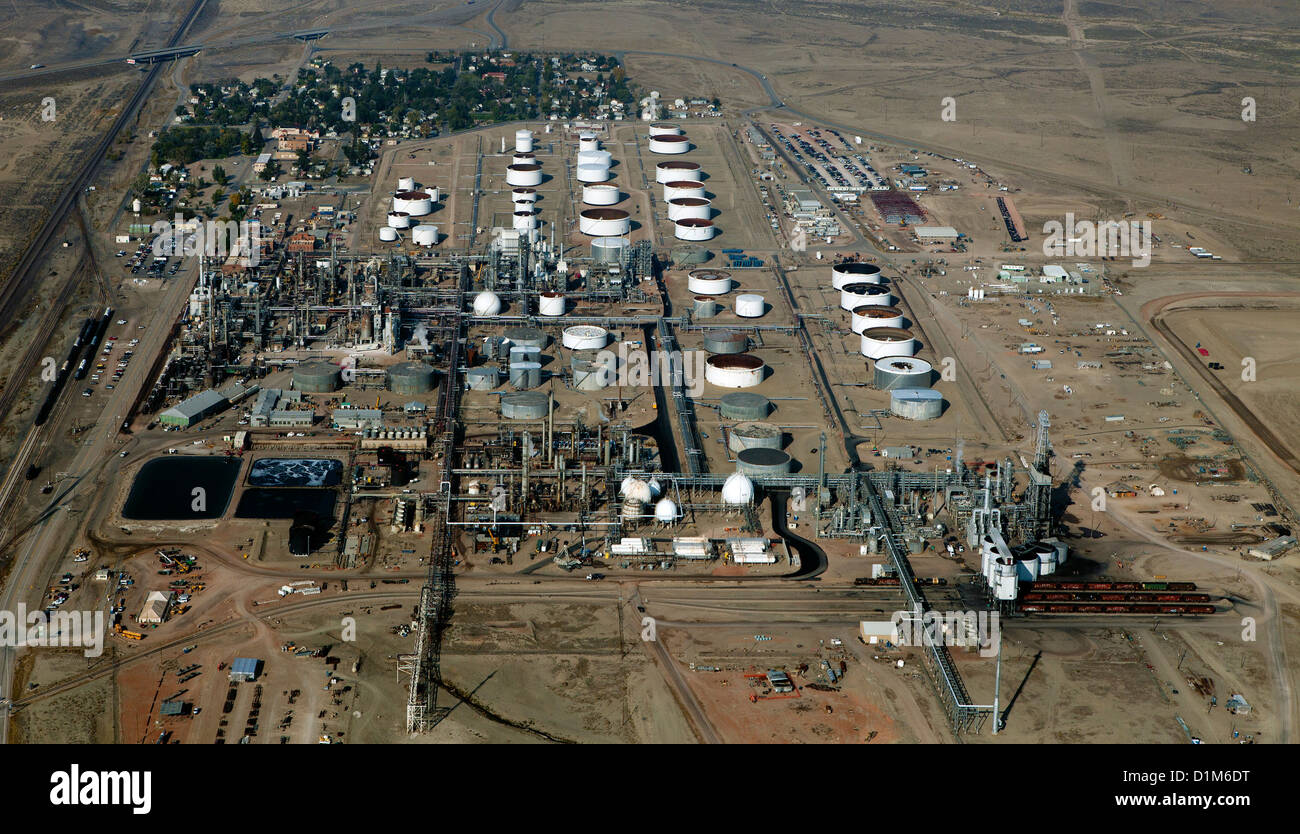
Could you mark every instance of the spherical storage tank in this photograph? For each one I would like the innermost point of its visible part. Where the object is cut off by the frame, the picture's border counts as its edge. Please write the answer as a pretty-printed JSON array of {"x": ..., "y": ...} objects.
[
  {"x": 524, "y": 405},
  {"x": 406, "y": 183},
  {"x": 739, "y": 370},
  {"x": 881, "y": 342},
  {"x": 424, "y": 235},
  {"x": 523, "y": 195},
  {"x": 602, "y": 194},
  {"x": 916, "y": 403},
  {"x": 410, "y": 378},
  {"x": 750, "y": 306},
  {"x": 523, "y": 141},
  {"x": 550, "y": 304},
  {"x": 487, "y": 303},
  {"x": 399, "y": 219},
  {"x": 855, "y": 273},
  {"x": 708, "y": 282},
  {"x": 604, "y": 222},
  {"x": 868, "y": 316},
  {"x": 665, "y": 129},
  {"x": 902, "y": 372},
  {"x": 414, "y": 203},
  {"x": 525, "y": 175},
  {"x": 669, "y": 144},
  {"x": 666, "y": 511},
  {"x": 754, "y": 435},
  {"x": 584, "y": 337},
  {"x": 744, "y": 405},
  {"x": 609, "y": 250},
  {"x": 678, "y": 170},
  {"x": 737, "y": 489},
  {"x": 317, "y": 377},
  {"x": 526, "y": 336},
  {"x": 690, "y": 207},
  {"x": 725, "y": 342},
  {"x": 853, "y": 296},
  {"x": 763, "y": 461},
  {"x": 691, "y": 229},
  {"x": 592, "y": 173},
  {"x": 678, "y": 189},
  {"x": 387, "y": 234}
]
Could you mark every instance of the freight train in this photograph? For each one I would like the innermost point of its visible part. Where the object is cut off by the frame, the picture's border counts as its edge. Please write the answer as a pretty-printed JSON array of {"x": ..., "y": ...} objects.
[
  {"x": 88, "y": 339},
  {"x": 1103, "y": 596},
  {"x": 1063, "y": 585},
  {"x": 1112, "y": 608}
]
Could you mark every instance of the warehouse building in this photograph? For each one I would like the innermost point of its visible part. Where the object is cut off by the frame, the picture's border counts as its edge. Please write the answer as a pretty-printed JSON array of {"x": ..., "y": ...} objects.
[
  {"x": 351, "y": 419},
  {"x": 936, "y": 234},
  {"x": 245, "y": 669},
  {"x": 191, "y": 411},
  {"x": 156, "y": 608}
]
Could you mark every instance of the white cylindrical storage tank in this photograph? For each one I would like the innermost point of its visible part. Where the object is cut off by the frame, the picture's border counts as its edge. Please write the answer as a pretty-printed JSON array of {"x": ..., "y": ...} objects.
[
  {"x": 523, "y": 195},
  {"x": 853, "y": 296},
  {"x": 487, "y": 303},
  {"x": 855, "y": 273},
  {"x": 692, "y": 208},
  {"x": 750, "y": 305},
  {"x": 523, "y": 141},
  {"x": 588, "y": 142},
  {"x": 435, "y": 193},
  {"x": 666, "y": 511},
  {"x": 692, "y": 229},
  {"x": 524, "y": 220},
  {"x": 1027, "y": 567},
  {"x": 584, "y": 337},
  {"x": 406, "y": 183},
  {"x": 524, "y": 159},
  {"x": 902, "y": 372},
  {"x": 596, "y": 158},
  {"x": 882, "y": 342},
  {"x": 1046, "y": 560},
  {"x": 734, "y": 370},
  {"x": 424, "y": 235},
  {"x": 665, "y": 129},
  {"x": 528, "y": 175},
  {"x": 609, "y": 250},
  {"x": 677, "y": 189},
  {"x": 593, "y": 173},
  {"x": 869, "y": 315},
  {"x": 604, "y": 222},
  {"x": 387, "y": 234},
  {"x": 988, "y": 561},
  {"x": 704, "y": 307},
  {"x": 708, "y": 282},
  {"x": 414, "y": 203},
  {"x": 399, "y": 220},
  {"x": 676, "y": 170},
  {"x": 1008, "y": 586},
  {"x": 669, "y": 144},
  {"x": 550, "y": 304},
  {"x": 601, "y": 194},
  {"x": 915, "y": 403}
]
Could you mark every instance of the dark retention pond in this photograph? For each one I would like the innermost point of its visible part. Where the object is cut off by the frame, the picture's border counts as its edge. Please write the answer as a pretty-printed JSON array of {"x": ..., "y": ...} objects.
[
  {"x": 285, "y": 502},
  {"x": 163, "y": 490}
]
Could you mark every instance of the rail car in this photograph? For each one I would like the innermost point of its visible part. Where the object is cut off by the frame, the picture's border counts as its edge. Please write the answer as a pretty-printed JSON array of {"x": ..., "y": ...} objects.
[
  {"x": 1111, "y": 596},
  {"x": 1113, "y": 608}
]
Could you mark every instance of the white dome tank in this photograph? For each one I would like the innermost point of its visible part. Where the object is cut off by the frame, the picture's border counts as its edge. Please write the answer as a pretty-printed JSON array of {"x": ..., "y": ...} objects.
[
  {"x": 708, "y": 282},
  {"x": 593, "y": 172},
  {"x": 387, "y": 234},
  {"x": 406, "y": 183},
  {"x": 604, "y": 222},
  {"x": 424, "y": 235},
  {"x": 603, "y": 194},
  {"x": 855, "y": 273},
  {"x": 690, "y": 208},
  {"x": 526, "y": 175},
  {"x": 656, "y": 488},
  {"x": 750, "y": 305},
  {"x": 584, "y": 337},
  {"x": 737, "y": 489},
  {"x": 487, "y": 303},
  {"x": 869, "y": 315},
  {"x": 399, "y": 220},
  {"x": 675, "y": 170},
  {"x": 665, "y": 511},
  {"x": 691, "y": 229},
  {"x": 669, "y": 144},
  {"x": 550, "y": 304},
  {"x": 683, "y": 188},
  {"x": 882, "y": 342},
  {"x": 634, "y": 489},
  {"x": 523, "y": 141},
  {"x": 734, "y": 370}
]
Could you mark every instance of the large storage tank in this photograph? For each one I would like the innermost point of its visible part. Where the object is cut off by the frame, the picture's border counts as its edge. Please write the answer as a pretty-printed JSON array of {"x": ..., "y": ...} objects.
[
  {"x": 525, "y": 175},
  {"x": 387, "y": 234},
  {"x": 669, "y": 144},
  {"x": 601, "y": 194},
  {"x": 585, "y": 337},
  {"x": 704, "y": 307},
  {"x": 763, "y": 461},
  {"x": 855, "y": 273},
  {"x": 525, "y": 405},
  {"x": 595, "y": 158},
  {"x": 687, "y": 256},
  {"x": 665, "y": 129},
  {"x": 526, "y": 336},
  {"x": 881, "y": 342},
  {"x": 414, "y": 203},
  {"x": 738, "y": 489},
  {"x": 424, "y": 235},
  {"x": 317, "y": 377},
  {"x": 744, "y": 405},
  {"x": 523, "y": 195},
  {"x": 482, "y": 379},
  {"x": 853, "y": 296},
  {"x": 523, "y": 141},
  {"x": 410, "y": 378},
  {"x": 725, "y": 342},
  {"x": 916, "y": 403},
  {"x": 708, "y": 282},
  {"x": 406, "y": 183},
  {"x": 903, "y": 372},
  {"x": 604, "y": 222},
  {"x": 1027, "y": 566},
  {"x": 678, "y": 189},
  {"x": 525, "y": 353},
  {"x": 609, "y": 250},
  {"x": 870, "y": 315},
  {"x": 694, "y": 229},
  {"x": 678, "y": 170},
  {"x": 740, "y": 370},
  {"x": 750, "y": 305},
  {"x": 524, "y": 221},
  {"x": 684, "y": 207},
  {"x": 550, "y": 304},
  {"x": 588, "y": 142},
  {"x": 487, "y": 303},
  {"x": 525, "y": 374},
  {"x": 399, "y": 219},
  {"x": 590, "y": 374},
  {"x": 592, "y": 173},
  {"x": 524, "y": 159},
  {"x": 754, "y": 435}
]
